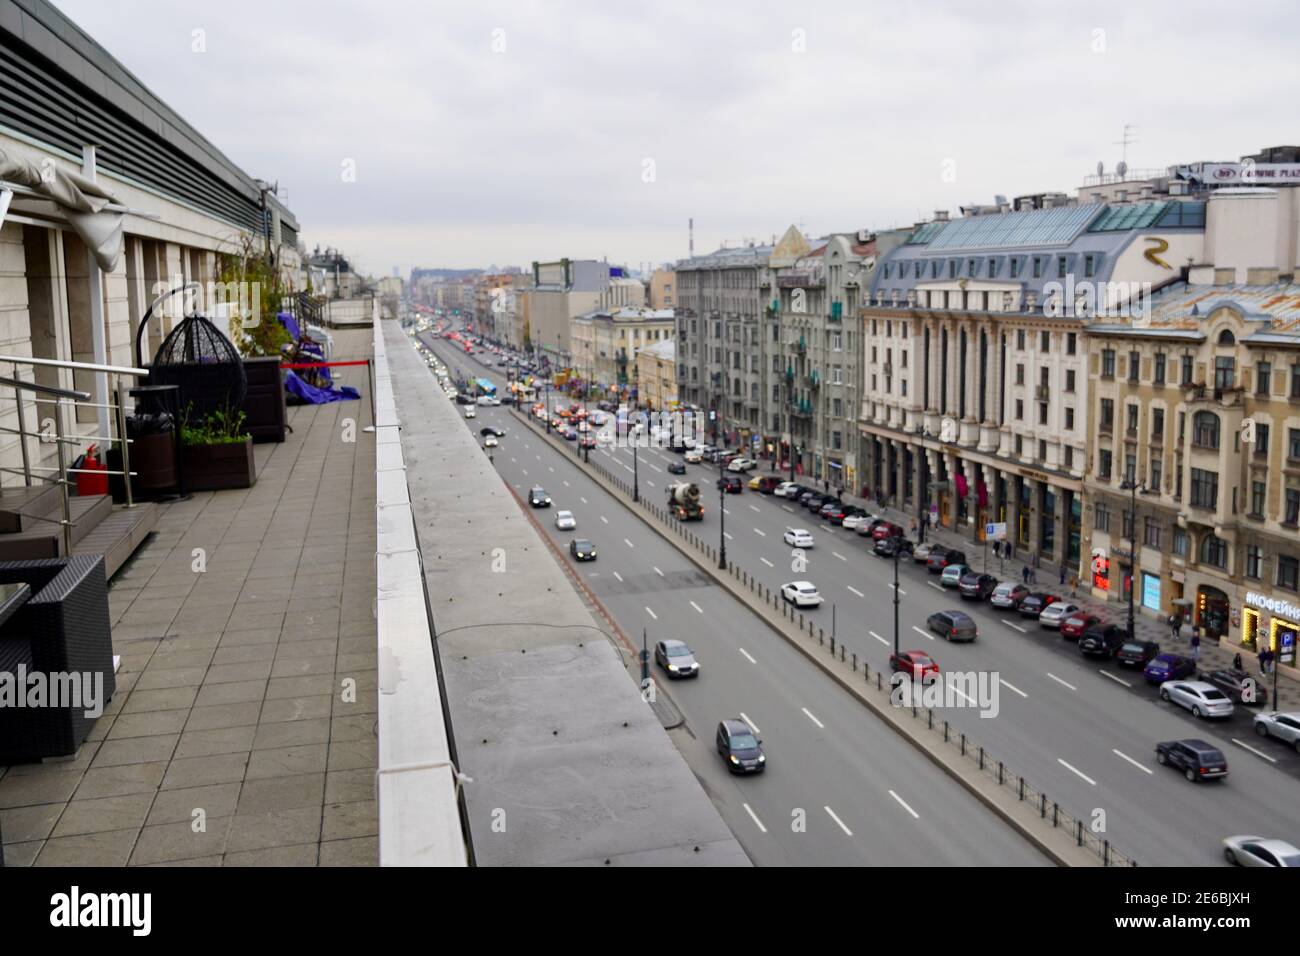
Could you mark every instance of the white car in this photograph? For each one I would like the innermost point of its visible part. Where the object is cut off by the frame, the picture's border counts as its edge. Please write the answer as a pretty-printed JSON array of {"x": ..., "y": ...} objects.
[
  {"x": 1055, "y": 613},
  {"x": 1202, "y": 699},
  {"x": 798, "y": 538},
  {"x": 741, "y": 464},
  {"x": 783, "y": 489},
  {"x": 490, "y": 441},
  {"x": 565, "y": 521},
  {"x": 801, "y": 594},
  {"x": 853, "y": 522},
  {"x": 469, "y": 412},
  {"x": 484, "y": 400},
  {"x": 693, "y": 456},
  {"x": 1258, "y": 851},
  {"x": 1285, "y": 727}
]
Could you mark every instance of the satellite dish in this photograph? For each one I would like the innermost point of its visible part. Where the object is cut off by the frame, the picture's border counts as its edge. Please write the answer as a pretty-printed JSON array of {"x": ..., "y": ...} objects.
[
  {"x": 1121, "y": 168},
  {"x": 1101, "y": 168}
]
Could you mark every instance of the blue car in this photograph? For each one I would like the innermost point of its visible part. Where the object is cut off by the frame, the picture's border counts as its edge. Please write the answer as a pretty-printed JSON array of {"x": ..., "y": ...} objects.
[{"x": 1165, "y": 667}]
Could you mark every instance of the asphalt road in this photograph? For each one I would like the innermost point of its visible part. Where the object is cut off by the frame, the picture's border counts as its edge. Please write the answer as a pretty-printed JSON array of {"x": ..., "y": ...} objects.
[
  {"x": 840, "y": 789},
  {"x": 1083, "y": 730}
]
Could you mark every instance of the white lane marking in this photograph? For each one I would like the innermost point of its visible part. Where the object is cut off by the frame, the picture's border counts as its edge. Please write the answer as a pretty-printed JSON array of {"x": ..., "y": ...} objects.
[
  {"x": 582, "y": 499},
  {"x": 727, "y": 535},
  {"x": 846, "y": 830},
  {"x": 1013, "y": 688},
  {"x": 650, "y": 483},
  {"x": 754, "y": 816},
  {"x": 1061, "y": 682},
  {"x": 788, "y": 508},
  {"x": 767, "y": 562},
  {"x": 652, "y": 614},
  {"x": 538, "y": 457},
  {"x": 604, "y": 519},
  {"x": 1258, "y": 753},
  {"x": 658, "y": 572},
  {"x": 512, "y": 461},
  {"x": 525, "y": 471},
  {"x": 628, "y": 543},
  {"x": 748, "y": 656},
  {"x": 879, "y": 638},
  {"x": 725, "y": 511},
  {"x": 1146, "y": 770},
  {"x": 1016, "y": 627},
  {"x": 838, "y": 555},
  {"x": 922, "y": 633},
  {"x": 761, "y": 534},
  {"x": 808, "y": 713},
  {"x": 752, "y": 726},
  {"x": 937, "y": 587},
  {"x": 855, "y": 590},
  {"x": 551, "y": 467},
  {"x": 619, "y": 576},
  {"x": 827, "y": 528},
  {"x": 1114, "y": 678},
  {"x": 903, "y": 803},
  {"x": 754, "y": 508},
  {"x": 655, "y": 467},
  {"x": 1077, "y": 771},
  {"x": 697, "y": 607},
  {"x": 566, "y": 482}
]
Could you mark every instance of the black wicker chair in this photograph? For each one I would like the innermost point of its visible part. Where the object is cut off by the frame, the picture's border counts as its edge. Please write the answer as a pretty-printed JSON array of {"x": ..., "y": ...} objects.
[{"x": 63, "y": 628}]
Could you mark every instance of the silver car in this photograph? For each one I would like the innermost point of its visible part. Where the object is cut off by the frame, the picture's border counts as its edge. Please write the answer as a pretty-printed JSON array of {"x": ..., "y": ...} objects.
[
  {"x": 1202, "y": 699},
  {"x": 1285, "y": 727},
  {"x": 1055, "y": 613},
  {"x": 677, "y": 659},
  {"x": 1258, "y": 851}
]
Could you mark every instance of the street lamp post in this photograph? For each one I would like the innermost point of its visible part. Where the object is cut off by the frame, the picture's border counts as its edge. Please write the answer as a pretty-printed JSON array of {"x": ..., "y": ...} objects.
[
  {"x": 722, "y": 517},
  {"x": 636, "y": 482},
  {"x": 1131, "y": 486},
  {"x": 547, "y": 402},
  {"x": 896, "y": 602}
]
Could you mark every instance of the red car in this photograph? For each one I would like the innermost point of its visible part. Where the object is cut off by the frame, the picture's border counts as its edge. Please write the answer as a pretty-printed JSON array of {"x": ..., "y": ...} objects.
[
  {"x": 917, "y": 663},
  {"x": 1074, "y": 625},
  {"x": 886, "y": 529}
]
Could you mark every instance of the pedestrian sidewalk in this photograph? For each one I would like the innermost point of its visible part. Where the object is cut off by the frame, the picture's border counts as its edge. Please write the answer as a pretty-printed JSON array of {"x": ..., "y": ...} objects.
[{"x": 1214, "y": 656}]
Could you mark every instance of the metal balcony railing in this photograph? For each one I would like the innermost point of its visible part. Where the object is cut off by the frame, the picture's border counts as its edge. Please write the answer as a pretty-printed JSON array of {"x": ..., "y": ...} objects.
[{"x": 66, "y": 402}]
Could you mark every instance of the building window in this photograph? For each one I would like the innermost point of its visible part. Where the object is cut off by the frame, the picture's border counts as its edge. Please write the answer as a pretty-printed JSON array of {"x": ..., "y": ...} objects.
[
  {"x": 1295, "y": 381},
  {"x": 1151, "y": 533},
  {"x": 1045, "y": 341},
  {"x": 1214, "y": 551},
  {"x": 1254, "y": 561},
  {"x": 1292, "y": 443},
  {"x": 1258, "y": 490},
  {"x": 1015, "y": 267},
  {"x": 1157, "y": 474},
  {"x": 1020, "y": 375},
  {"x": 1205, "y": 488},
  {"x": 1062, "y": 264},
  {"x": 1225, "y": 371},
  {"x": 1132, "y": 424},
  {"x": 1042, "y": 450},
  {"x": 1020, "y": 339},
  {"x": 1104, "y": 459},
  {"x": 1020, "y": 446},
  {"x": 1089, "y": 265},
  {"x": 1263, "y": 378},
  {"x": 1020, "y": 410},
  {"x": 1158, "y": 371},
  {"x": 1069, "y": 380},
  {"x": 1291, "y": 514},
  {"x": 1108, "y": 363},
  {"x": 1187, "y": 370},
  {"x": 1071, "y": 342},
  {"x": 1180, "y": 542},
  {"x": 1069, "y": 419},
  {"x": 1157, "y": 424},
  {"x": 1107, "y": 414},
  {"x": 1134, "y": 365},
  {"x": 1102, "y": 517},
  {"x": 1288, "y": 572},
  {"x": 1205, "y": 430},
  {"x": 1261, "y": 440},
  {"x": 1069, "y": 457}
]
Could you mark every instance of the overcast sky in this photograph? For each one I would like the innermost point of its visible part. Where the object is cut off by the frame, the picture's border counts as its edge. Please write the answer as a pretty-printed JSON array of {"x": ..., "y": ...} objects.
[{"x": 501, "y": 133}]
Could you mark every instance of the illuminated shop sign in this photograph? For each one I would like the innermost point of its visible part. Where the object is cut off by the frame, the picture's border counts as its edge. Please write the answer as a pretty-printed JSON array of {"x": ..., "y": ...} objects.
[{"x": 1273, "y": 605}]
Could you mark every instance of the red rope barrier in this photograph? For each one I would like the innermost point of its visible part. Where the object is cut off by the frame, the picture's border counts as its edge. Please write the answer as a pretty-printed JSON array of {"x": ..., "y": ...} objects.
[{"x": 321, "y": 364}]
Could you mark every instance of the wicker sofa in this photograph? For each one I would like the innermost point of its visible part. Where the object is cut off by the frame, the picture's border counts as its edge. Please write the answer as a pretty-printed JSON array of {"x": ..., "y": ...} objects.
[{"x": 63, "y": 628}]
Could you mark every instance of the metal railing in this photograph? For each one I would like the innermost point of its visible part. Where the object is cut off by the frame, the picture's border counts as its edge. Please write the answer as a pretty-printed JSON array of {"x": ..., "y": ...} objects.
[
  {"x": 879, "y": 680},
  {"x": 67, "y": 401}
]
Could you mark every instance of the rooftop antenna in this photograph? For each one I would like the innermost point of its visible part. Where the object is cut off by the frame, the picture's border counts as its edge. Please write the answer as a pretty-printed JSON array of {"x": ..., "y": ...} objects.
[
  {"x": 691, "y": 232},
  {"x": 1125, "y": 141}
]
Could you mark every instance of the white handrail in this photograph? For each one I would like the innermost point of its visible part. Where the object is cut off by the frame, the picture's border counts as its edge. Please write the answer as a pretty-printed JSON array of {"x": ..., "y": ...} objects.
[{"x": 82, "y": 366}]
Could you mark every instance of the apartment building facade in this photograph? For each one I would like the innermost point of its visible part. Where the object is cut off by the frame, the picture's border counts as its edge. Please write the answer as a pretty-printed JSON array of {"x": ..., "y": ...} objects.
[
  {"x": 656, "y": 365},
  {"x": 605, "y": 343},
  {"x": 975, "y": 406}
]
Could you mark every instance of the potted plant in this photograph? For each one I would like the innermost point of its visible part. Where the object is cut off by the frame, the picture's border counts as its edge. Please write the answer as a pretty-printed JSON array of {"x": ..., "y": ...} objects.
[{"x": 217, "y": 453}]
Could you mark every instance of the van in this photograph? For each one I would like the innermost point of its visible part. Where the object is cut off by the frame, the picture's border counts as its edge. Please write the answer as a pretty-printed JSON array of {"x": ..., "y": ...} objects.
[{"x": 953, "y": 625}]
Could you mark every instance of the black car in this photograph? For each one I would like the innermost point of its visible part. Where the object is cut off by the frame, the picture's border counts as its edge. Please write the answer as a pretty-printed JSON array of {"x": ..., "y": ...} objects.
[
  {"x": 953, "y": 625},
  {"x": 806, "y": 496},
  {"x": 677, "y": 659},
  {"x": 1195, "y": 758},
  {"x": 1102, "y": 641},
  {"x": 538, "y": 498},
  {"x": 463, "y": 399},
  {"x": 582, "y": 550},
  {"x": 1239, "y": 686},
  {"x": 816, "y": 503},
  {"x": 888, "y": 547},
  {"x": 676, "y": 468},
  {"x": 1032, "y": 604},
  {"x": 492, "y": 430},
  {"x": 796, "y": 492},
  {"x": 731, "y": 484},
  {"x": 941, "y": 558},
  {"x": 1136, "y": 653},
  {"x": 740, "y": 747},
  {"x": 975, "y": 586}
]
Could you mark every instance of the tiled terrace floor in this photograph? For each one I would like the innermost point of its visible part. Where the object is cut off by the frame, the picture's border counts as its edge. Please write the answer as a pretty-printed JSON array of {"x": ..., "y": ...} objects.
[{"x": 247, "y": 690}]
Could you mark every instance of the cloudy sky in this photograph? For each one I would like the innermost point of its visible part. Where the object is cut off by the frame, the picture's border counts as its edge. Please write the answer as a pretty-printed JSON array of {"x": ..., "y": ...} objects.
[{"x": 501, "y": 133}]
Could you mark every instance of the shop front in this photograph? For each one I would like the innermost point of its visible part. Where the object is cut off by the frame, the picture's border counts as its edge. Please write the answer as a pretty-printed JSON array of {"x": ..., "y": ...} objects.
[
  {"x": 1212, "y": 609},
  {"x": 1271, "y": 622}
]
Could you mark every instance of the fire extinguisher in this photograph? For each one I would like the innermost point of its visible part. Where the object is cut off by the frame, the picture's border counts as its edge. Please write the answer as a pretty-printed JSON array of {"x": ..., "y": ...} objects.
[{"x": 92, "y": 474}]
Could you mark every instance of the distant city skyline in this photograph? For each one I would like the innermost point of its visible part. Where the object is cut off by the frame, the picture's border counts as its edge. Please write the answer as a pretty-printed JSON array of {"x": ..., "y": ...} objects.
[{"x": 496, "y": 134}]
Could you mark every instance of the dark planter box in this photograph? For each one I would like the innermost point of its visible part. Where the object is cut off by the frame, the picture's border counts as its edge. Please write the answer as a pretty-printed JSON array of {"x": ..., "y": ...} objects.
[
  {"x": 264, "y": 404},
  {"x": 217, "y": 467}
]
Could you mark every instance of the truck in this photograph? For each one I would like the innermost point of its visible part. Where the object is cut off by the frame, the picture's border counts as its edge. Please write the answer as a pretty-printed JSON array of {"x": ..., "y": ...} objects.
[{"x": 684, "y": 501}]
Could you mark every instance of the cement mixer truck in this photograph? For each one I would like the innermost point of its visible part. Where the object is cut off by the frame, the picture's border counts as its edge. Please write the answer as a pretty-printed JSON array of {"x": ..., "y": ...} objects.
[{"x": 684, "y": 501}]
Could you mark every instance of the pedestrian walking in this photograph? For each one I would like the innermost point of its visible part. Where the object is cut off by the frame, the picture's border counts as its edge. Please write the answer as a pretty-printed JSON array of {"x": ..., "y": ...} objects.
[
  {"x": 1024, "y": 573},
  {"x": 826, "y": 486},
  {"x": 912, "y": 526},
  {"x": 1175, "y": 625},
  {"x": 1074, "y": 586},
  {"x": 1062, "y": 575},
  {"x": 1266, "y": 660},
  {"x": 1236, "y": 661},
  {"x": 1196, "y": 647}
]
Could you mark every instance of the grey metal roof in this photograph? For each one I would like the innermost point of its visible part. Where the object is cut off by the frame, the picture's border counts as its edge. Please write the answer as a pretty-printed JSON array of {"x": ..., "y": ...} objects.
[{"x": 1035, "y": 227}]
